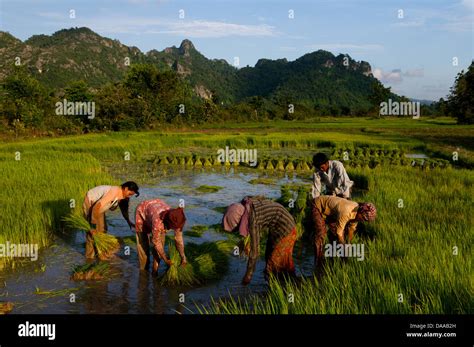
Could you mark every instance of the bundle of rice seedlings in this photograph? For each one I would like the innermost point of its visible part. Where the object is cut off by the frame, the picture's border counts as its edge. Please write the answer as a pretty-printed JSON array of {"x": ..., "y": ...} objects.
[
  {"x": 178, "y": 275},
  {"x": 189, "y": 161},
  {"x": 105, "y": 244},
  {"x": 206, "y": 261},
  {"x": 269, "y": 165},
  {"x": 91, "y": 271},
  {"x": 207, "y": 163},
  {"x": 261, "y": 165},
  {"x": 5, "y": 307},
  {"x": 197, "y": 162},
  {"x": 290, "y": 166},
  {"x": 280, "y": 166},
  {"x": 182, "y": 161},
  {"x": 174, "y": 161},
  {"x": 164, "y": 161},
  {"x": 305, "y": 166}
]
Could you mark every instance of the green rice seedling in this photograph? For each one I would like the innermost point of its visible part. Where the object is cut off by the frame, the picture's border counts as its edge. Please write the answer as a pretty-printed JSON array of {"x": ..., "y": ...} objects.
[
  {"x": 91, "y": 271},
  {"x": 53, "y": 293},
  {"x": 196, "y": 231},
  {"x": 208, "y": 189},
  {"x": 182, "y": 161},
  {"x": 261, "y": 165}
]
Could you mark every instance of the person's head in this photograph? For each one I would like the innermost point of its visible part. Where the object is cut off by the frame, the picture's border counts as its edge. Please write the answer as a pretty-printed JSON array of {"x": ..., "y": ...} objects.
[
  {"x": 232, "y": 217},
  {"x": 130, "y": 188},
  {"x": 174, "y": 219},
  {"x": 321, "y": 162},
  {"x": 366, "y": 212}
]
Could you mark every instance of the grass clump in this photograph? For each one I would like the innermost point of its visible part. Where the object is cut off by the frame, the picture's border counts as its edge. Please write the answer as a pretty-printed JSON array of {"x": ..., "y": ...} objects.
[
  {"x": 208, "y": 189},
  {"x": 263, "y": 180}
]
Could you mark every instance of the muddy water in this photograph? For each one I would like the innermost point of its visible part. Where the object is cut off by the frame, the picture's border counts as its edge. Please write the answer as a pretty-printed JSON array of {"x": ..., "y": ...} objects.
[{"x": 129, "y": 290}]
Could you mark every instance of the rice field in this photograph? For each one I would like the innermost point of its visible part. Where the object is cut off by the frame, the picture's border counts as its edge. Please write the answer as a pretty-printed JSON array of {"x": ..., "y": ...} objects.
[
  {"x": 421, "y": 251},
  {"x": 418, "y": 253}
]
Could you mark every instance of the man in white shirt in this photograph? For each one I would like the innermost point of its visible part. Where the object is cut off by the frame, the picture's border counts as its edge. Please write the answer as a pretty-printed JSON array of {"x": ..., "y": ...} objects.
[{"x": 333, "y": 175}]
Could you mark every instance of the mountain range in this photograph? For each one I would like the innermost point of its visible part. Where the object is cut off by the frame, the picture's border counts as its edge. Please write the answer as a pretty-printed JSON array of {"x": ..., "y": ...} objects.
[{"x": 316, "y": 78}]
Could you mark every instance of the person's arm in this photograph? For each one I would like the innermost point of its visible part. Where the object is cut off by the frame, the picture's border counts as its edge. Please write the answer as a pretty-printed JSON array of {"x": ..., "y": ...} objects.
[
  {"x": 97, "y": 215},
  {"x": 317, "y": 186},
  {"x": 158, "y": 244},
  {"x": 139, "y": 219},
  {"x": 158, "y": 232},
  {"x": 341, "y": 222},
  {"x": 343, "y": 183},
  {"x": 351, "y": 230},
  {"x": 123, "y": 204},
  {"x": 254, "y": 232},
  {"x": 179, "y": 242}
]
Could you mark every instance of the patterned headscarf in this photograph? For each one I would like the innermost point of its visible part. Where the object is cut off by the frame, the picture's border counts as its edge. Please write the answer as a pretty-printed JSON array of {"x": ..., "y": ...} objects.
[
  {"x": 232, "y": 216},
  {"x": 175, "y": 218},
  {"x": 368, "y": 211}
]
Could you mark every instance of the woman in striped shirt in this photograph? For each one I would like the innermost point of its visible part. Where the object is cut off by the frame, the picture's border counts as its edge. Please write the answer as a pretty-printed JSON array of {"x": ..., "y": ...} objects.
[{"x": 251, "y": 217}]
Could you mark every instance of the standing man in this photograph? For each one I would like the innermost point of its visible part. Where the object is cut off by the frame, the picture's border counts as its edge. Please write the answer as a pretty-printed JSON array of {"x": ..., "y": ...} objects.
[
  {"x": 342, "y": 215},
  {"x": 152, "y": 219},
  {"x": 333, "y": 175},
  {"x": 100, "y": 199}
]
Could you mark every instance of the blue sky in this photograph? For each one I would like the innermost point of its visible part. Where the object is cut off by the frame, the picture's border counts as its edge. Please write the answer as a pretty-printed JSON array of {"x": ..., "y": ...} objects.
[{"x": 412, "y": 54}]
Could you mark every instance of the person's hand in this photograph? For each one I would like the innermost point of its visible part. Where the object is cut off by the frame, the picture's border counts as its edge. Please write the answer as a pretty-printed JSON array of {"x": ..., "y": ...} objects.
[
  {"x": 246, "y": 280},
  {"x": 168, "y": 262},
  {"x": 93, "y": 231},
  {"x": 183, "y": 263}
]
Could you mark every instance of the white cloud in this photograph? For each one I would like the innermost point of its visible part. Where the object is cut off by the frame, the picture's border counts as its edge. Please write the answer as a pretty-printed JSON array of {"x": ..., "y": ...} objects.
[
  {"x": 203, "y": 28},
  {"x": 468, "y": 3},
  {"x": 394, "y": 76},
  {"x": 181, "y": 27}
]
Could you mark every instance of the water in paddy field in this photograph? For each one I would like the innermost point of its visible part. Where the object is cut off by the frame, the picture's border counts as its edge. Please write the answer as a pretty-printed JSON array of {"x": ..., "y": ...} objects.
[{"x": 129, "y": 290}]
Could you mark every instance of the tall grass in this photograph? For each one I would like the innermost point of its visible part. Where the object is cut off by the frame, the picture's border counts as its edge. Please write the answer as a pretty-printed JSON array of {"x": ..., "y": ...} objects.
[{"x": 409, "y": 250}]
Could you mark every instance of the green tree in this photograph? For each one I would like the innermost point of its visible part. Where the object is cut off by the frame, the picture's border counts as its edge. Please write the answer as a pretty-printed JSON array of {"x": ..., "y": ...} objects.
[{"x": 460, "y": 103}]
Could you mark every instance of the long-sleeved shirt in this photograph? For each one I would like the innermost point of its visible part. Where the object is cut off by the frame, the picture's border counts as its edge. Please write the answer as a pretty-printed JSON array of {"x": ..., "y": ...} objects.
[
  {"x": 266, "y": 214},
  {"x": 149, "y": 218},
  {"x": 336, "y": 180},
  {"x": 340, "y": 210}
]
